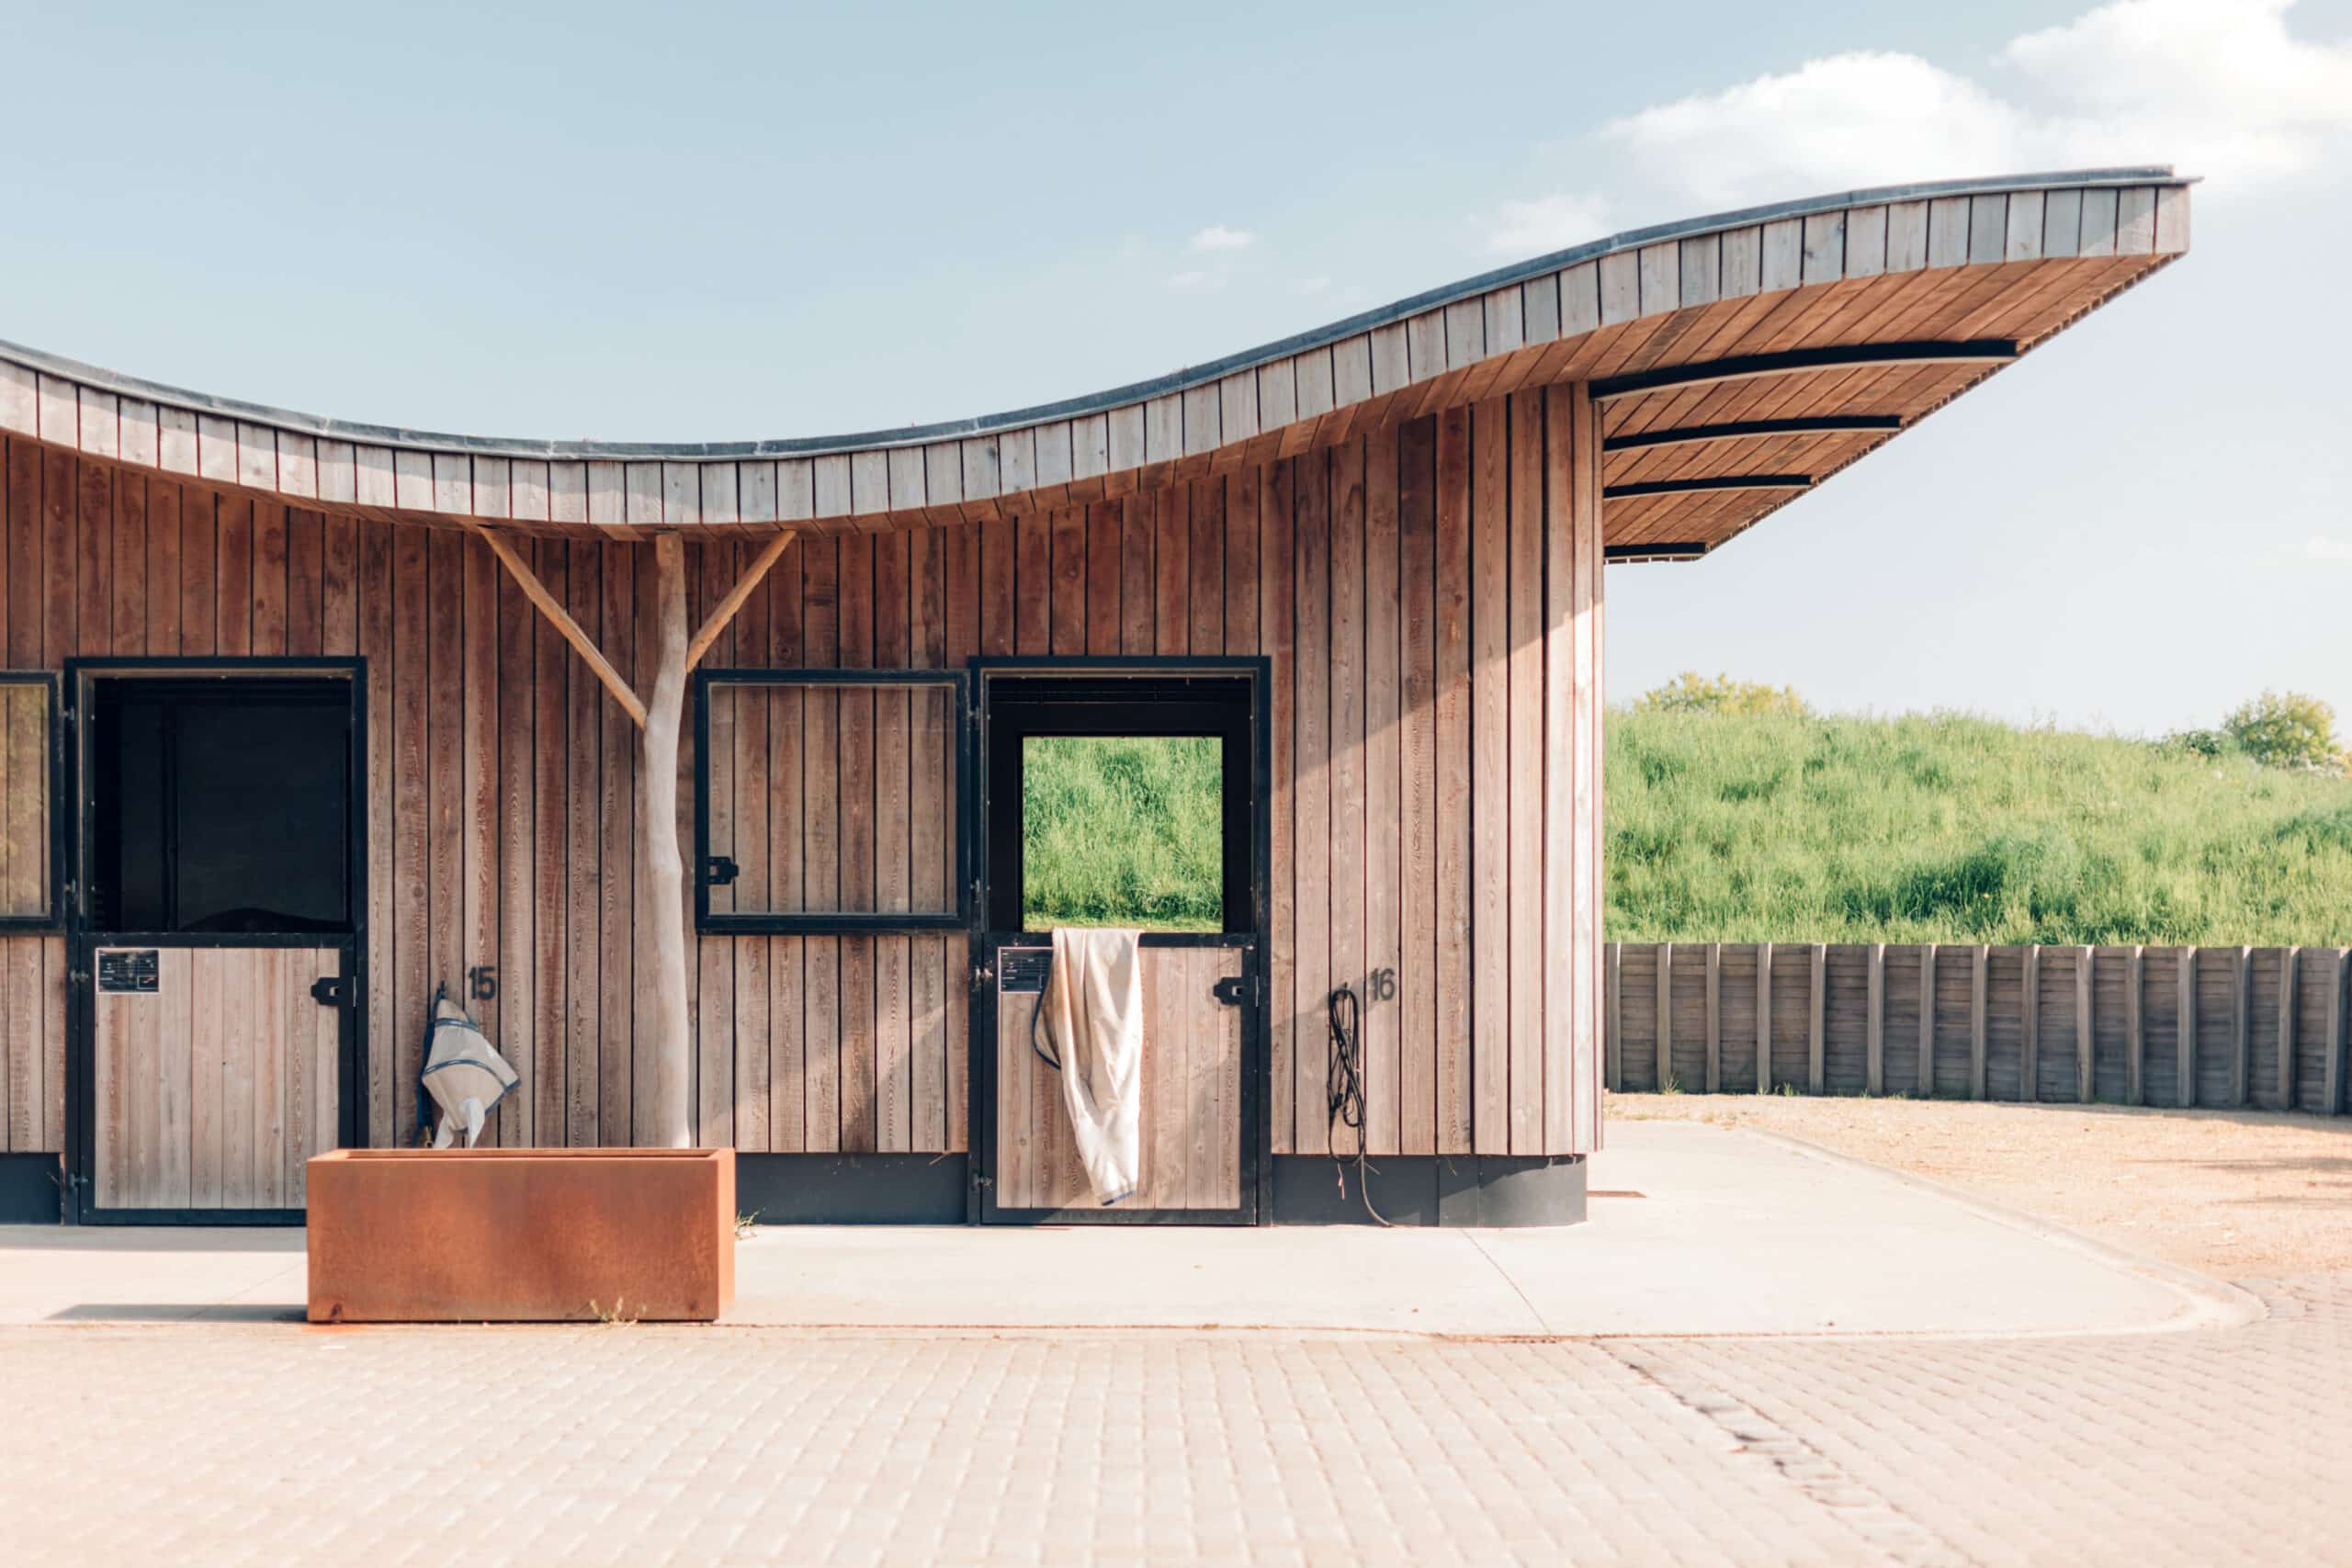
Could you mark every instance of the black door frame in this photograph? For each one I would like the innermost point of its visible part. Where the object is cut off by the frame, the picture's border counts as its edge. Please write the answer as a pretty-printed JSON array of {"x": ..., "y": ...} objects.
[
  {"x": 1256, "y": 1111},
  {"x": 80, "y": 943}
]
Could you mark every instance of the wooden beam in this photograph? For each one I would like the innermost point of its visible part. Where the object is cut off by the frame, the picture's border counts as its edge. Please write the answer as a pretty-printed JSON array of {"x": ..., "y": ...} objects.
[
  {"x": 661, "y": 883},
  {"x": 1763, "y": 1017},
  {"x": 558, "y": 617},
  {"x": 724, "y": 611}
]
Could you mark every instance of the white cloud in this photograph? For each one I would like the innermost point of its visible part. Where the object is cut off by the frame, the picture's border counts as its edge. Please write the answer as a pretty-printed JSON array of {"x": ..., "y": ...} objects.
[
  {"x": 1218, "y": 237},
  {"x": 2218, "y": 87},
  {"x": 1189, "y": 279},
  {"x": 1851, "y": 120},
  {"x": 2319, "y": 546},
  {"x": 1547, "y": 223}
]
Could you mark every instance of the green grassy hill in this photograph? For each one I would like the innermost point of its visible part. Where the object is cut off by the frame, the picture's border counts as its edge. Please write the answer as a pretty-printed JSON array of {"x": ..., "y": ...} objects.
[{"x": 1953, "y": 829}]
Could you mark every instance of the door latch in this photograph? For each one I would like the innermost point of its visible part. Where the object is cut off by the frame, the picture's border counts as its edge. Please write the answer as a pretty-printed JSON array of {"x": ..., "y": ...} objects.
[
  {"x": 718, "y": 871},
  {"x": 1233, "y": 990},
  {"x": 331, "y": 991}
]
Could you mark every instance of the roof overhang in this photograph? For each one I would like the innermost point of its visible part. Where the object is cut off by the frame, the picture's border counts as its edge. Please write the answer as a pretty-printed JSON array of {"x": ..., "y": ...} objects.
[{"x": 1740, "y": 359}]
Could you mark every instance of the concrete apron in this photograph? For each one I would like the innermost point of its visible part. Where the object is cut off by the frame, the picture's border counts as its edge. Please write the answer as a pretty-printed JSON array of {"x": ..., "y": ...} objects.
[{"x": 1695, "y": 1230}]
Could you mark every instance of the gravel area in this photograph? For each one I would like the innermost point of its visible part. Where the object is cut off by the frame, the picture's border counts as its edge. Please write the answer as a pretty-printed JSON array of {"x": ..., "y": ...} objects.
[{"x": 2237, "y": 1194}]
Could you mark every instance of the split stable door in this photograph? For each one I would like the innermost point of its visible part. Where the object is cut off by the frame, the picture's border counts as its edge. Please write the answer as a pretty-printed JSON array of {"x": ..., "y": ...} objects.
[
  {"x": 212, "y": 921},
  {"x": 1094, "y": 780}
]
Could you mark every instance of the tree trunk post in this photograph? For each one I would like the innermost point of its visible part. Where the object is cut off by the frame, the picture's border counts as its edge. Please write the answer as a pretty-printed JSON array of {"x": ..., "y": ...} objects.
[{"x": 662, "y": 874}]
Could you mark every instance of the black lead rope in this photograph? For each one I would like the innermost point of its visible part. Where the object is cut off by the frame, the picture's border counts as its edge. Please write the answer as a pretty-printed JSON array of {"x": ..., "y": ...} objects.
[{"x": 1344, "y": 1082}]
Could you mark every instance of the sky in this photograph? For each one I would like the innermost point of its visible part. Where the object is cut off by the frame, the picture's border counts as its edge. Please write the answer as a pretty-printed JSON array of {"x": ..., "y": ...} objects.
[{"x": 705, "y": 222}]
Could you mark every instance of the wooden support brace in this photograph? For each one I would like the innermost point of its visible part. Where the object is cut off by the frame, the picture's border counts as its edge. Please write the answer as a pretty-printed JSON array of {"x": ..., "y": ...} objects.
[
  {"x": 558, "y": 617},
  {"x": 724, "y": 611}
]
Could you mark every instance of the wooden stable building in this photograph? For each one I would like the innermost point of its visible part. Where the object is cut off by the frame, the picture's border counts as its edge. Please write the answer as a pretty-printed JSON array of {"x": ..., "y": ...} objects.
[{"x": 304, "y": 720}]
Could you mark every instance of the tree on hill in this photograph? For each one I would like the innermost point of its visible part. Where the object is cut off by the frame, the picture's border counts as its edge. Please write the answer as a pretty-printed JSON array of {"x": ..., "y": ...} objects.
[
  {"x": 2284, "y": 729},
  {"x": 1693, "y": 692}
]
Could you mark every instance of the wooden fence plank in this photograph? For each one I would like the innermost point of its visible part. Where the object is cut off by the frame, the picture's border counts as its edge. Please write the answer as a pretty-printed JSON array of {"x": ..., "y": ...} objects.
[
  {"x": 2185, "y": 1048},
  {"x": 1817, "y": 1045},
  {"x": 1665, "y": 1016},
  {"x": 1978, "y": 977},
  {"x": 2287, "y": 978},
  {"x": 2135, "y": 1030},
  {"x": 1714, "y": 1018},
  {"x": 1875, "y": 1020},
  {"x": 2083, "y": 1060},
  {"x": 2029, "y": 1033},
  {"x": 2242, "y": 1026},
  {"x": 2332, "y": 1078},
  {"x": 1927, "y": 1020},
  {"x": 1763, "y": 1017}
]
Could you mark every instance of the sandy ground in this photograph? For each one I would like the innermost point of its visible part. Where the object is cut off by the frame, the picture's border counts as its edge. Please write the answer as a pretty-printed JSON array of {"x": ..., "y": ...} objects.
[{"x": 2238, "y": 1194}]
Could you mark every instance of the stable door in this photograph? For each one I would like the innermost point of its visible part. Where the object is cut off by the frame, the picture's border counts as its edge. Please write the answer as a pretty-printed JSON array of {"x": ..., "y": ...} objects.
[
  {"x": 214, "y": 936},
  {"x": 1126, "y": 793}
]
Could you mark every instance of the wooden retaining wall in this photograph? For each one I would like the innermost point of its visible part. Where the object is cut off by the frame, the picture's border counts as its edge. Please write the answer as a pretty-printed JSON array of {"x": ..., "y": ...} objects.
[{"x": 2259, "y": 1027}]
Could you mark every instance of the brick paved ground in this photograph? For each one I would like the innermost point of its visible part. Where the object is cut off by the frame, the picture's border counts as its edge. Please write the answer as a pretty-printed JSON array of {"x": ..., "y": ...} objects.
[{"x": 223, "y": 1444}]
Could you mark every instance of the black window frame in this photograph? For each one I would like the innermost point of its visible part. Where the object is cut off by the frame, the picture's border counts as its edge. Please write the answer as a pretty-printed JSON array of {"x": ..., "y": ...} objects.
[
  {"x": 52, "y": 919},
  {"x": 837, "y": 922},
  {"x": 82, "y": 672}
]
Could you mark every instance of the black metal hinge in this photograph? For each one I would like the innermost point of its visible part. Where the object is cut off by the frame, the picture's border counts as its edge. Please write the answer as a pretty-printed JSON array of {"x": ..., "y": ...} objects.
[
  {"x": 1232, "y": 991},
  {"x": 718, "y": 871},
  {"x": 331, "y": 991}
]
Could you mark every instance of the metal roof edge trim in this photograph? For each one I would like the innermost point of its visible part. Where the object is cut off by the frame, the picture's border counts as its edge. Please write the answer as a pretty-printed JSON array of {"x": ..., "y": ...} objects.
[{"x": 1190, "y": 377}]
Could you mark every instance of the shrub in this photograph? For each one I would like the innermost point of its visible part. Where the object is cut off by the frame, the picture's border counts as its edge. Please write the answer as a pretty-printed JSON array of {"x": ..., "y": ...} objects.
[
  {"x": 2284, "y": 729},
  {"x": 1693, "y": 692},
  {"x": 2211, "y": 744}
]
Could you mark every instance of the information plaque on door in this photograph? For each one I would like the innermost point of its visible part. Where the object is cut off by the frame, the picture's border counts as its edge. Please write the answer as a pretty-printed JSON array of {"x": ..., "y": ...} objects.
[
  {"x": 1023, "y": 968},
  {"x": 129, "y": 970}
]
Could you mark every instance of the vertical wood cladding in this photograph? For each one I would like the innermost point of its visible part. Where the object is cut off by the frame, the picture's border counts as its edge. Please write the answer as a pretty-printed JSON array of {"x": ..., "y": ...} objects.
[{"x": 1428, "y": 597}]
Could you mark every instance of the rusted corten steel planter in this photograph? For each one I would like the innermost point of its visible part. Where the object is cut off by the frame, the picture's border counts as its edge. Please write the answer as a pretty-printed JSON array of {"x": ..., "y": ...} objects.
[{"x": 521, "y": 1236}]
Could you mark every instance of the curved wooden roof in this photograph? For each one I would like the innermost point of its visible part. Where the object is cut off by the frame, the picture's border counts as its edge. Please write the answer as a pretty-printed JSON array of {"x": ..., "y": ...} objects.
[{"x": 1742, "y": 358}]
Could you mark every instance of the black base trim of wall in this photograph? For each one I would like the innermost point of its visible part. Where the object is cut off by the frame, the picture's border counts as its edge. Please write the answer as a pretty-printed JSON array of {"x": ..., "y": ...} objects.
[
  {"x": 32, "y": 1190},
  {"x": 1430, "y": 1190},
  {"x": 852, "y": 1190}
]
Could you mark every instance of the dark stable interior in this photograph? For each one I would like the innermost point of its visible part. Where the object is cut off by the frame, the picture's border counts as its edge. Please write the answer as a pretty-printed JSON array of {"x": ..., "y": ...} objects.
[
  {"x": 1020, "y": 706},
  {"x": 220, "y": 805}
]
